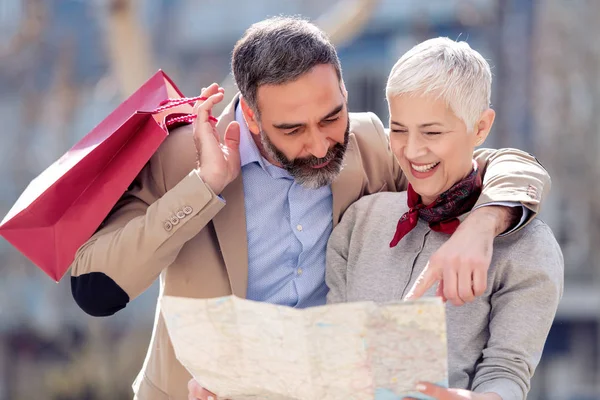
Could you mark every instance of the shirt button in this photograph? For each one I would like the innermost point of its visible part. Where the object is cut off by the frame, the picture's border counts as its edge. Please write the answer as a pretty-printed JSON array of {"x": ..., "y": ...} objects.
[
  {"x": 299, "y": 271},
  {"x": 299, "y": 227}
]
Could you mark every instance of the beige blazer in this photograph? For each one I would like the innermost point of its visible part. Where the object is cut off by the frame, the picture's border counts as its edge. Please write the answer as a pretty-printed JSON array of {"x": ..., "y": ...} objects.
[{"x": 170, "y": 225}]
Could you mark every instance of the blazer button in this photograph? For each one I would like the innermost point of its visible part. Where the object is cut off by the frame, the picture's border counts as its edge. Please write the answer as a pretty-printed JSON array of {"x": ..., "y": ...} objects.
[
  {"x": 174, "y": 220},
  {"x": 180, "y": 214},
  {"x": 168, "y": 226},
  {"x": 188, "y": 210}
]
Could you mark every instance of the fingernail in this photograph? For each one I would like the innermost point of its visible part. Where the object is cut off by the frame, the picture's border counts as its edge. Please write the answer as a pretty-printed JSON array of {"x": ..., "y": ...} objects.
[
  {"x": 211, "y": 398},
  {"x": 421, "y": 387}
]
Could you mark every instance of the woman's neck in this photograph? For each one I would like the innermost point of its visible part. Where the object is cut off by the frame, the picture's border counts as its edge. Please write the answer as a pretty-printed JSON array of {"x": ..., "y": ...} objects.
[{"x": 427, "y": 200}]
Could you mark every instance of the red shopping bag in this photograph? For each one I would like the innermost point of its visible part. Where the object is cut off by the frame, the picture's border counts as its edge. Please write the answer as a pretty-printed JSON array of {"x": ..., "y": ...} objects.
[{"x": 65, "y": 204}]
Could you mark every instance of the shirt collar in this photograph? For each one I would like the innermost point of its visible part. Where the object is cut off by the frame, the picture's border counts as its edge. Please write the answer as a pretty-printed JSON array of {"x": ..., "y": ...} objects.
[{"x": 249, "y": 153}]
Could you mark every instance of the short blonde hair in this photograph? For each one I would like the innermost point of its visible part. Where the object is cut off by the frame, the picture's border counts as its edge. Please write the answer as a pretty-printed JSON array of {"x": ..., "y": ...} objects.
[{"x": 453, "y": 70}]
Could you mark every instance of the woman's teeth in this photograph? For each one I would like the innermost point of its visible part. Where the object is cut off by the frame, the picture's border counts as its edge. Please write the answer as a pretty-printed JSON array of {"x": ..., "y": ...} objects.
[{"x": 424, "y": 168}]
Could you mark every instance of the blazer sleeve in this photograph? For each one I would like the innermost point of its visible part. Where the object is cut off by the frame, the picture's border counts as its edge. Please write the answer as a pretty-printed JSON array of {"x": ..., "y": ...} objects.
[
  {"x": 142, "y": 236},
  {"x": 525, "y": 297},
  {"x": 511, "y": 175}
]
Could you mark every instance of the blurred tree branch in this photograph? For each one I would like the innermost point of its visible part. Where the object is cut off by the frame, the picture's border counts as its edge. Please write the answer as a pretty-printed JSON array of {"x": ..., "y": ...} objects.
[
  {"x": 129, "y": 50},
  {"x": 131, "y": 57},
  {"x": 20, "y": 59},
  {"x": 346, "y": 20},
  {"x": 29, "y": 31}
]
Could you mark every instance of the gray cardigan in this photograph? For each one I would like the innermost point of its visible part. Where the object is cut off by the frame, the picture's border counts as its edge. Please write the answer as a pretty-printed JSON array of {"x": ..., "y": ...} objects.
[{"x": 495, "y": 342}]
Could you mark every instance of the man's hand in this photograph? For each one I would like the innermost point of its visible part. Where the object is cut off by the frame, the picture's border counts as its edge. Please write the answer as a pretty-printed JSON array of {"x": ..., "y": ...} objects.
[
  {"x": 197, "y": 392},
  {"x": 461, "y": 264},
  {"x": 440, "y": 393},
  {"x": 218, "y": 163}
]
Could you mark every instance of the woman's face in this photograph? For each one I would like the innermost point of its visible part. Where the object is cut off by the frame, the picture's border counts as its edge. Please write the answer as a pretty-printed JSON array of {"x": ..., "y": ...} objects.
[{"x": 431, "y": 143}]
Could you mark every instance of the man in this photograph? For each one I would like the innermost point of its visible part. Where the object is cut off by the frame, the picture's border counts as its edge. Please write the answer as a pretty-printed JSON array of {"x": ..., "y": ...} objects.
[{"x": 208, "y": 230}]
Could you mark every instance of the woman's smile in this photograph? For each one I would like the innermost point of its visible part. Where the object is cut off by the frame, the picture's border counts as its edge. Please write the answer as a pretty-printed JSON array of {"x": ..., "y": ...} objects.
[{"x": 422, "y": 171}]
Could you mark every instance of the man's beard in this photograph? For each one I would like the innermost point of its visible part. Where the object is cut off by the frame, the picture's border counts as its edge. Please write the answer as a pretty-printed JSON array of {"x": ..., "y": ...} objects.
[{"x": 301, "y": 169}]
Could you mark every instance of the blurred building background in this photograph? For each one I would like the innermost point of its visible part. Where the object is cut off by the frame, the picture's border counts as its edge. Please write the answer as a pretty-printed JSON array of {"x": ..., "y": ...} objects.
[{"x": 65, "y": 64}]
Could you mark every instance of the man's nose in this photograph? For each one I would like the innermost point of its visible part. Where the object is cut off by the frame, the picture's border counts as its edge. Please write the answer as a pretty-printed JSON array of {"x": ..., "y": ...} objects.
[{"x": 318, "y": 145}]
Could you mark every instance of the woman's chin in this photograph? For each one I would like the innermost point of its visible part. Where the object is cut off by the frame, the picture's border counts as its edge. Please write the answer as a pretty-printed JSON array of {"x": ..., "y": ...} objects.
[{"x": 427, "y": 192}]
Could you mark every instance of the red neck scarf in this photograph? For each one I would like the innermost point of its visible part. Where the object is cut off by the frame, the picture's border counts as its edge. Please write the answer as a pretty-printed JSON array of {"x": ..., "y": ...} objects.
[{"x": 443, "y": 212}]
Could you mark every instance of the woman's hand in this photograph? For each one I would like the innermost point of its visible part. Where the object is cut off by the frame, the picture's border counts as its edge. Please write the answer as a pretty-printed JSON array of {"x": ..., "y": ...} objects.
[
  {"x": 197, "y": 392},
  {"x": 441, "y": 393}
]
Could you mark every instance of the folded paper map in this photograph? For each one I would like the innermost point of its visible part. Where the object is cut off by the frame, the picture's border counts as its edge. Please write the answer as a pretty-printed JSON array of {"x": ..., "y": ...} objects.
[{"x": 246, "y": 350}]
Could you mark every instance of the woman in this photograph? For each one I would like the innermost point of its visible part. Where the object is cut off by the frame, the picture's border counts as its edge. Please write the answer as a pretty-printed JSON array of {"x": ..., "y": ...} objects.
[{"x": 439, "y": 97}]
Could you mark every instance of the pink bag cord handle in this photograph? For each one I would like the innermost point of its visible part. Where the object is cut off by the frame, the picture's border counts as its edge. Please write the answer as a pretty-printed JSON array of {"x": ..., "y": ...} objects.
[{"x": 170, "y": 103}]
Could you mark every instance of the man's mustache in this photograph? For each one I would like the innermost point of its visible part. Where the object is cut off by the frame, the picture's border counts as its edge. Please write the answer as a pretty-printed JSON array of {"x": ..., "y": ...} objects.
[{"x": 313, "y": 161}]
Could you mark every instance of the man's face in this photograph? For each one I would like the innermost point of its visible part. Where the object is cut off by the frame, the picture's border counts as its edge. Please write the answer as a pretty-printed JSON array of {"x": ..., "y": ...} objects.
[{"x": 304, "y": 126}]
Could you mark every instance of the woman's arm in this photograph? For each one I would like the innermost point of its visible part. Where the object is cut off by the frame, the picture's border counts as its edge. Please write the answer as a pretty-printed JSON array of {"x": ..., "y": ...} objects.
[{"x": 526, "y": 293}]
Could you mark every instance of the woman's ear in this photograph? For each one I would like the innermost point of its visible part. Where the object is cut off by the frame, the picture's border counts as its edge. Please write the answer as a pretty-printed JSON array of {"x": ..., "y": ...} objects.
[
  {"x": 250, "y": 117},
  {"x": 483, "y": 127}
]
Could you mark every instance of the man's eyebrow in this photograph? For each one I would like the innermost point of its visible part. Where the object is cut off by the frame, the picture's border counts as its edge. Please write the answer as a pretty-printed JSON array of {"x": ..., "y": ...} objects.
[
  {"x": 334, "y": 112},
  {"x": 288, "y": 125},
  {"x": 397, "y": 123},
  {"x": 294, "y": 125}
]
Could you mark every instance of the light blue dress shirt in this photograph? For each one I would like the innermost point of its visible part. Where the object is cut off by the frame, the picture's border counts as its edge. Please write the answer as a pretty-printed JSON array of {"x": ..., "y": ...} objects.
[{"x": 288, "y": 227}]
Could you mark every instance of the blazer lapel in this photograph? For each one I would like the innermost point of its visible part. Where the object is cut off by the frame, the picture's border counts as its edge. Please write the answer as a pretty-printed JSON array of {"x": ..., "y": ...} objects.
[
  {"x": 230, "y": 222},
  {"x": 347, "y": 187}
]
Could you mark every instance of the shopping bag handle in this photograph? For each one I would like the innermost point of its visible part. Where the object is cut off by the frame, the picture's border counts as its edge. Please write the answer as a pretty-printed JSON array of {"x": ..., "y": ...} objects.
[
  {"x": 170, "y": 103},
  {"x": 184, "y": 119}
]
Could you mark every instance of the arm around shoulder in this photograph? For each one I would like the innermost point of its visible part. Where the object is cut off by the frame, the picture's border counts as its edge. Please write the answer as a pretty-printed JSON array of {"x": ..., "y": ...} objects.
[
  {"x": 142, "y": 236},
  {"x": 511, "y": 175}
]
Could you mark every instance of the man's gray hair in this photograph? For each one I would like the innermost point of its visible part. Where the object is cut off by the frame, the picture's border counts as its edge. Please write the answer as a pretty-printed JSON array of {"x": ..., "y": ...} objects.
[
  {"x": 451, "y": 70},
  {"x": 279, "y": 50}
]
